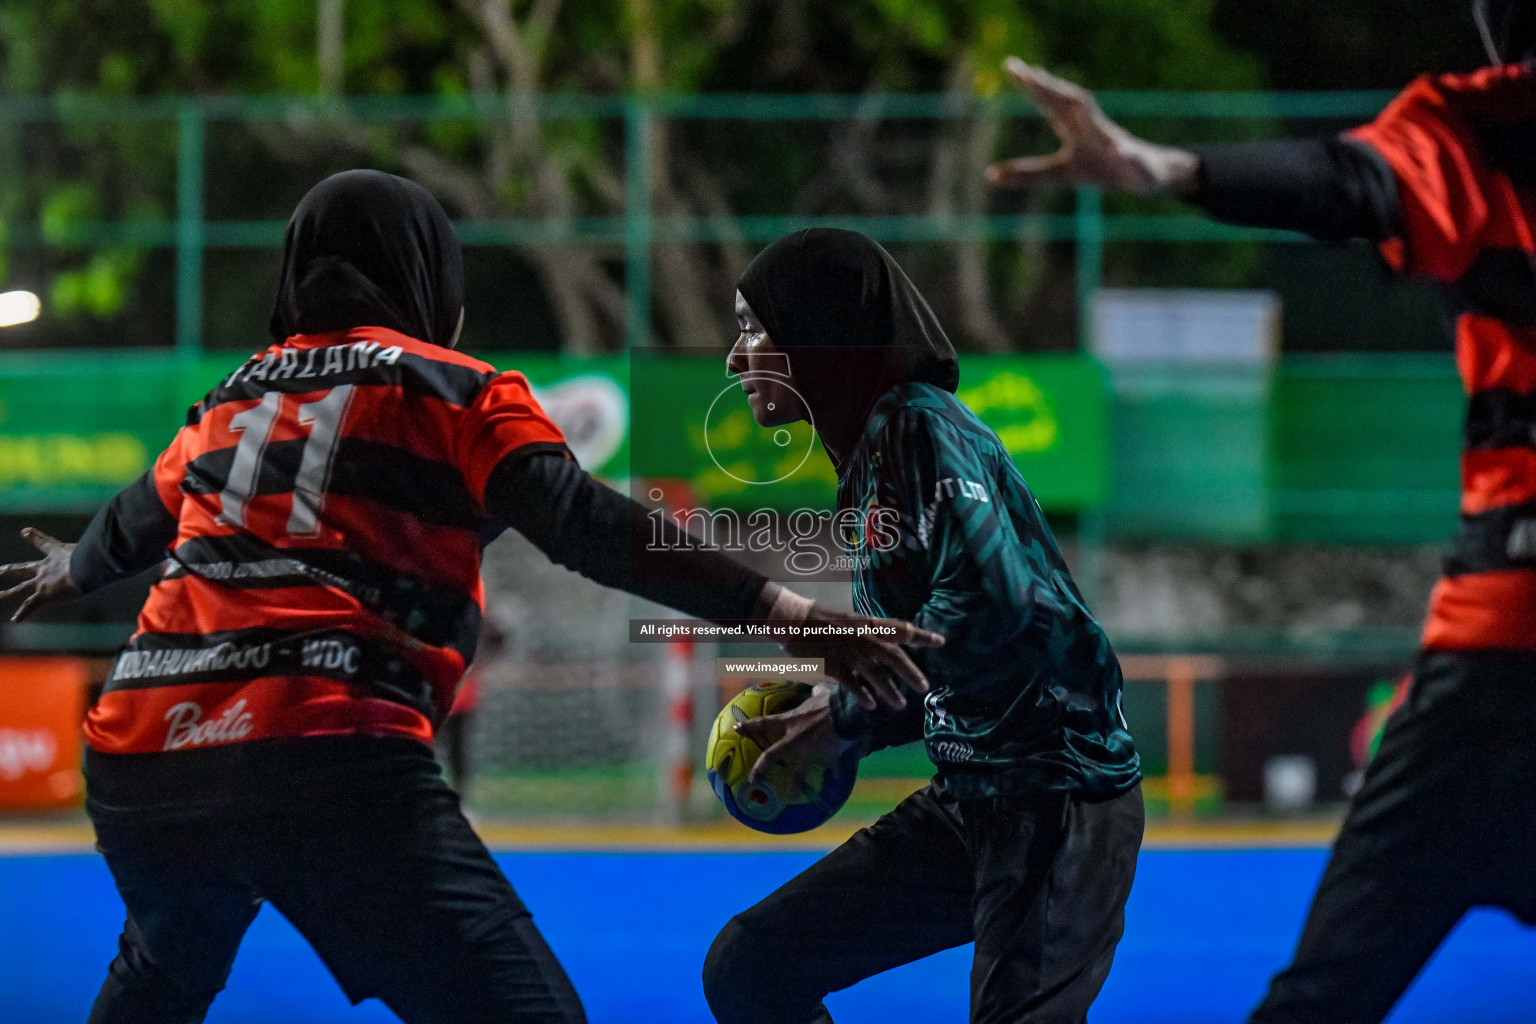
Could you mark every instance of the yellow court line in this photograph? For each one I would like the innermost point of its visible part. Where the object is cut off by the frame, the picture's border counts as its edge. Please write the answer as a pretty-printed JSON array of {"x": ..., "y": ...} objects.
[
  {"x": 730, "y": 836},
  {"x": 77, "y": 837},
  {"x": 49, "y": 837}
]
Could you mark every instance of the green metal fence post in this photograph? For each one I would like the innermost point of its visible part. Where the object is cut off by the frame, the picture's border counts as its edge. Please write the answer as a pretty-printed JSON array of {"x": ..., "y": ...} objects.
[
  {"x": 637, "y": 220},
  {"x": 189, "y": 230}
]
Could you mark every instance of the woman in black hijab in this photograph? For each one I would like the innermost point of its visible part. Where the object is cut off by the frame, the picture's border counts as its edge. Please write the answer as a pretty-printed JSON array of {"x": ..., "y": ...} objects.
[
  {"x": 369, "y": 248},
  {"x": 1026, "y": 839},
  {"x": 855, "y": 324},
  {"x": 266, "y": 735}
]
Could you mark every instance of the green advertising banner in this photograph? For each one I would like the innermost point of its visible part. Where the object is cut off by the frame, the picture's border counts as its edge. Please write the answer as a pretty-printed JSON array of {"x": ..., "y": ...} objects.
[
  {"x": 74, "y": 428},
  {"x": 1052, "y": 414},
  {"x": 589, "y": 399},
  {"x": 691, "y": 422}
]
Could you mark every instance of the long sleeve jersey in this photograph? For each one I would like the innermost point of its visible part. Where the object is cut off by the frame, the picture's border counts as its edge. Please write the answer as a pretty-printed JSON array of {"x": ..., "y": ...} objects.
[
  {"x": 323, "y": 512},
  {"x": 944, "y": 532},
  {"x": 1444, "y": 180}
]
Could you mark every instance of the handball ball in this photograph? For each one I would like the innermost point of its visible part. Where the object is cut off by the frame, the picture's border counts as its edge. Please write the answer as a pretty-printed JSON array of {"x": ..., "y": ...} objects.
[{"x": 768, "y": 806}]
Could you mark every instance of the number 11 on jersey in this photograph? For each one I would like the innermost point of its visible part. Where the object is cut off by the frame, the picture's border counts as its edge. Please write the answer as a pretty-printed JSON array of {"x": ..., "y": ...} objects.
[{"x": 324, "y": 417}]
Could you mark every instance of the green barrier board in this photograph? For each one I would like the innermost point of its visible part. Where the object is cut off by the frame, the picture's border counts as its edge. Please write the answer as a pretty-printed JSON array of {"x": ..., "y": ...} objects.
[
  {"x": 76, "y": 428},
  {"x": 691, "y": 422}
]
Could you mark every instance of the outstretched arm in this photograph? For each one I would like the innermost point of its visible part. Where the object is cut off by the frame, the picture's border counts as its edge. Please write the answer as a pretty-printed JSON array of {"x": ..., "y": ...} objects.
[
  {"x": 49, "y": 582},
  {"x": 517, "y": 464},
  {"x": 130, "y": 534},
  {"x": 603, "y": 535},
  {"x": 1331, "y": 188},
  {"x": 1094, "y": 150}
]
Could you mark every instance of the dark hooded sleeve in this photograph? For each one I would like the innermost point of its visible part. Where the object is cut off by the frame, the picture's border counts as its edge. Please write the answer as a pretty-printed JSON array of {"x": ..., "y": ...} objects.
[
  {"x": 593, "y": 530},
  {"x": 133, "y": 531},
  {"x": 1331, "y": 189}
]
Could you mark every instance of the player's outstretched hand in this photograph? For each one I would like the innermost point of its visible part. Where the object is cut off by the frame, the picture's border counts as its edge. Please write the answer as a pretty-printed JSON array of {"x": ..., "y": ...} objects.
[
  {"x": 874, "y": 668},
  {"x": 49, "y": 581},
  {"x": 797, "y": 739},
  {"x": 1094, "y": 150}
]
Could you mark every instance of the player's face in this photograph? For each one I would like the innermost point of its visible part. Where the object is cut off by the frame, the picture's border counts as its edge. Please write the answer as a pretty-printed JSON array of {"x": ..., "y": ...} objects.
[{"x": 764, "y": 371}]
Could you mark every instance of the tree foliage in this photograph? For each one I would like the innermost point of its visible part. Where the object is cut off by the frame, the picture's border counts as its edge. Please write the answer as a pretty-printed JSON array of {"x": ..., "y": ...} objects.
[{"x": 517, "y": 166}]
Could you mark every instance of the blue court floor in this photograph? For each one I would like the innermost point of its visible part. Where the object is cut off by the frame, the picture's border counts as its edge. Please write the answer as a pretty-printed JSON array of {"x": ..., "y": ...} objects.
[{"x": 1205, "y": 930}]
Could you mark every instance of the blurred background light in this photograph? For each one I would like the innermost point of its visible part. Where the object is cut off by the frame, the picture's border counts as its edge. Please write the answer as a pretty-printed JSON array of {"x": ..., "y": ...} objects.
[{"x": 18, "y": 307}]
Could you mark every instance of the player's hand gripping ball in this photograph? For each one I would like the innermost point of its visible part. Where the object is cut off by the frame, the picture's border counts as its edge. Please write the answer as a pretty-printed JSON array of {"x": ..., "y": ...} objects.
[{"x": 768, "y": 806}]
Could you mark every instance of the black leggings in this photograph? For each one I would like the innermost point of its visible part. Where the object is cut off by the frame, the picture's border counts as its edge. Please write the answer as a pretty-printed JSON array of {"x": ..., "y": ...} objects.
[
  {"x": 388, "y": 883},
  {"x": 1038, "y": 881},
  {"x": 1445, "y": 821}
]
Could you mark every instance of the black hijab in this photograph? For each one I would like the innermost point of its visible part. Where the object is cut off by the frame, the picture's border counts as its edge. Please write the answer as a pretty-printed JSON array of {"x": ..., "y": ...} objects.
[
  {"x": 1508, "y": 28},
  {"x": 365, "y": 248},
  {"x": 852, "y": 322}
]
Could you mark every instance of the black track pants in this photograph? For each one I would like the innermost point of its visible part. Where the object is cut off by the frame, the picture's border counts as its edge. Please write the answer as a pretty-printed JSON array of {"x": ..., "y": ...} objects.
[
  {"x": 1038, "y": 881},
  {"x": 1445, "y": 821},
  {"x": 385, "y": 879}
]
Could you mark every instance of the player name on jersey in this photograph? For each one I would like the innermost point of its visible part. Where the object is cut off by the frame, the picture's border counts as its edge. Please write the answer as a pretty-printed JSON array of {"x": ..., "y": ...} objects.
[{"x": 284, "y": 362}]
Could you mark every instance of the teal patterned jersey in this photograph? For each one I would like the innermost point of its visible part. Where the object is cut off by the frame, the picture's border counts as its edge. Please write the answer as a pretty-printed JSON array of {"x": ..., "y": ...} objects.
[{"x": 941, "y": 530}]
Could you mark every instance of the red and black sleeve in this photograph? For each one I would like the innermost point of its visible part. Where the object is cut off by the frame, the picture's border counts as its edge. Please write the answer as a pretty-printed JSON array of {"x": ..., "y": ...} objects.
[
  {"x": 1412, "y": 180},
  {"x": 1442, "y": 181},
  {"x": 503, "y": 425}
]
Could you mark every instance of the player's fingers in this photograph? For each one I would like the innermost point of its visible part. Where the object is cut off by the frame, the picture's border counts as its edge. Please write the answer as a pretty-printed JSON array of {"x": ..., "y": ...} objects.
[
  {"x": 1047, "y": 100},
  {"x": 906, "y": 670},
  {"x": 906, "y": 633},
  {"x": 19, "y": 567},
  {"x": 768, "y": 760},
  {"x": 1068, "y": 107},
  {"x": 859, "y": 687},
  {"x": 876, "y": 677},
  {"x": 41, "y": 540},
  {"x": 1055, "y": 85},
  {"x": 1047, "y": 89},
  {"x": 24, "y": 586},
  {"x": 765, "y": 732},
  {"x": 842, "y": 664},
  {"x": 888, "y": 692},
  {"x": 1027, "y": 171},
  {"x": 891, "y": 631},
  {"x": 27, "y": 606}
]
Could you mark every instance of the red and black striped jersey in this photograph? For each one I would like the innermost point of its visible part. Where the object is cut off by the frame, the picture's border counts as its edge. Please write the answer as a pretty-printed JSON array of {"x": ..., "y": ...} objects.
[
  {"x": 1463, "y": 151},
  {"x": 329, "y": 507}
]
